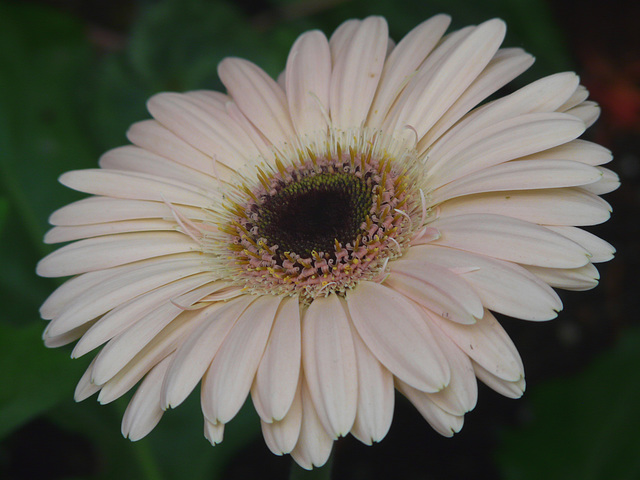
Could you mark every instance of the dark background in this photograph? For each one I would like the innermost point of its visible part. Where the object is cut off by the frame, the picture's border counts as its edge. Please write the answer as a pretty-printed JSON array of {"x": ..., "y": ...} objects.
[{"x": 75, "y": 74}]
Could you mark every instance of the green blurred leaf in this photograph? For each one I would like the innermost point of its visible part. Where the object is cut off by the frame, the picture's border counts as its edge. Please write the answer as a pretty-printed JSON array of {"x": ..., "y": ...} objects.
[
  {"x": 34, "y": 379},
  {"x": 44, "y": 58},
  {"x": 584, "y": 428}
]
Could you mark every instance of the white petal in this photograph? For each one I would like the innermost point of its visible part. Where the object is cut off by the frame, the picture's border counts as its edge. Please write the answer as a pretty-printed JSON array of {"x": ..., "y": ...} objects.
[
  {"x": 502, "y": 286},
  {"x": 314, "y": 444},
  {"x": 259, "y": 97},
  {"x": 509, "y": 239},
  {"x": 143, "y": 412},
  {"x": 228, "y": 379},
  {"x": 308, "y": 75},
  {"x": 608, "y": 183},
  {"x": 211, "y": 131},
  {"x": 543, "y": 95},
  {"x": 214, "y": 432},
  {"x": 277, "y": 376},
  {"x": 121, "y": 288},
  {"x": 395, "y": 332},
  {"x": 85, "y": 388},
  {"x": 375, "y": 395},
  {"x": 356, "y": 73},
  {"x": 195, "y": 354},
  {"x": 282, "y": 435},
  {"x": 577, "y": 150},
  {"x": 587, "y": 111},
  {"x": 136, "y": 186},
  {"x": 442, "y": 422},
  {"x": 510, "y": 389},
  {"x": 505, "y": 65},
  {"x": 403, "y": 62},
  {"x": 599, "y": 250},
  {"x": 121, "y": 349},
  {"x": 461, "y": 394},
  {"x": 520, "y": 175},
  {"x": 431, "y": 94},
  {"x": 552, "y": 206},
  {"x": 583, "y": 278},
  {"x": 329, "y": 362},
  {"x": 67, "y": 234},
  {"x": 129, "y": 313},
  {"x": 104, "y": 252},
  {"x": 486, "y": 343},
  {"x": 436, "y": 288},
  {"x": 152, "y": 136},
  {"x": 501, "y": 142}
]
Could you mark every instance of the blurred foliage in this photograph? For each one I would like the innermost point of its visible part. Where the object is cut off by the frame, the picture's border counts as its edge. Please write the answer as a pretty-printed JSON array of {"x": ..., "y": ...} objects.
[
  {"x": 582, "y": 428},
  {"x": 67, "y": 95}
]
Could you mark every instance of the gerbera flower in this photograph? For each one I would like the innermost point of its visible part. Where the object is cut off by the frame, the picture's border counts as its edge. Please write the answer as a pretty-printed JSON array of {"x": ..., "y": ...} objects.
[{"x": 321, "y": 240}]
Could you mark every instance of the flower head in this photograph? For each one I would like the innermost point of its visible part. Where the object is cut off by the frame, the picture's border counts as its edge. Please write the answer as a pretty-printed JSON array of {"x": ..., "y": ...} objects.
[{"x": 320, "y": 241}]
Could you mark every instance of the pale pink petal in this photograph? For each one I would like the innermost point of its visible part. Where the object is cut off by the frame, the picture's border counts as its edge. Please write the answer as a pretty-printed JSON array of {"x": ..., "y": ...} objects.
[
  {"x": 110, "y": 251},
  {"x": 501, "y": 142},
  {"x": 121, "y": 349},
  {"x": 436, "y": 288},
  {"x": 196, "y": 352},
  {"x": 599, "y": 250},
  {"x": 259, "y": 97},
  {"x": 520, "y": 175},
  {"x": 552, "y": 206},
  {"x": 587, "y": 111},
  {"x": 282, "y": 435},
  {"x": 543, "y": 95},
  {"x": 431, "y": 94},
  {"x": 486, "y": 343},
  {"x": 375, "y": 395},
  {"x": 607, "y": 183},
  {"x": 157, "y": 349},
  {"x": 136, "y": 186},
  {"x": 135, "y": 159},
  {"x": 329, "y": 362},
  {"x": 85, "y": 388},
  {"x": 279, "y": 370},
  {"x": 403, "y": 62},
  {"x": 117, "y": 290},
  {"x": 143, "y": 412},
  {"x": 442, "y": 422},
  {"x": 577, "y": 150},
  {"x": 578, "y": 96},
  {"x": 356, "y": 73},
  {"x": 95, "y": 210},
  {"x": 395, "y": 332},
  {"x": 510, "y": 389},
  {"x": 67, "y": 234},
  {"x": 214, "y": 432},
  {"x": 308, "y": 75},
  {"x": 502, "y": 286},
  {"x": 579, "y": 279},
  {"x": 213, "y": 132},
  {"x": 460, "y": 396},
  {"x": 130, "y": 312},
  {"x": 509, "y": 239},
  {"x": 226, "y": 383},
  {"x": 314, "y": 444},
  {"x": 505, "y": 65},
  {"x": 342, "y": 36},
  {"x": 152, "y": 136}
]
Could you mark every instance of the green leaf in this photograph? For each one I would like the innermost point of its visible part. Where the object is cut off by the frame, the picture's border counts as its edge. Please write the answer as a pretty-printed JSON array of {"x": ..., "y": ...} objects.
[
  {"x": 34, "y": 379},
  {"x": 45, "y": 59},
  {"x": 584, "y": 428}
]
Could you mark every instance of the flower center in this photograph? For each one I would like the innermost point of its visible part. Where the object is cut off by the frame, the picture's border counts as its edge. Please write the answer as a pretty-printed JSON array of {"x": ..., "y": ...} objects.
[
  {"x": 315, "y": 212},
  {"x": 331, "y": 214}
]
